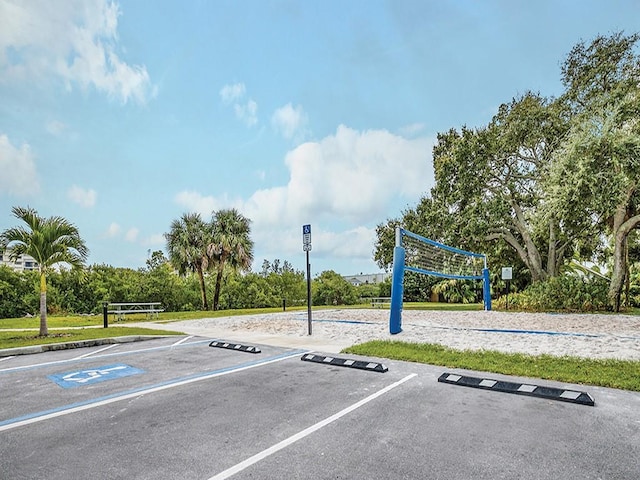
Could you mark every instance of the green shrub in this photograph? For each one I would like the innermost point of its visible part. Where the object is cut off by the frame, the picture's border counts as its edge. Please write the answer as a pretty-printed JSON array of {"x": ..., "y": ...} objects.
[{"x": 559, "y": 294}]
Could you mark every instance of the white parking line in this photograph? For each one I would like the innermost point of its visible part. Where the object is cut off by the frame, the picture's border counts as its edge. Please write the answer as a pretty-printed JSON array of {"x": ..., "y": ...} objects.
[
  {"x": 7, "y": 358},
  {"x": 182, "y": 341},
  {"x": 97, "y": 351},
  {"x": 306, "y": 432}
]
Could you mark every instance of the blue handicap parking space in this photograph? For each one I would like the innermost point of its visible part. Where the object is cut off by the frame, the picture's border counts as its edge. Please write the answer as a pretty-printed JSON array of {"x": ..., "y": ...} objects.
[{"x": 89, "y": 376}]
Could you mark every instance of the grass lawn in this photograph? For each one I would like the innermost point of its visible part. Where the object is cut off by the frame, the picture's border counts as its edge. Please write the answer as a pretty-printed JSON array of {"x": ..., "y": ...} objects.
[
  {"x": 12, "y": 339},
  {"x": 622, "y": 374}
]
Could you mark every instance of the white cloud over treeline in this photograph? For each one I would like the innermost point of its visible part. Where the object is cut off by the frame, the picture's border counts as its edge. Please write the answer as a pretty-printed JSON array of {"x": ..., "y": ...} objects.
[{"x": 349, "y": 178}]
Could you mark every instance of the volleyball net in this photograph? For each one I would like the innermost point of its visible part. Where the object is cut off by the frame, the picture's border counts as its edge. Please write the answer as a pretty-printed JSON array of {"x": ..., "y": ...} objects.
[{"x": 418, "y": 254}]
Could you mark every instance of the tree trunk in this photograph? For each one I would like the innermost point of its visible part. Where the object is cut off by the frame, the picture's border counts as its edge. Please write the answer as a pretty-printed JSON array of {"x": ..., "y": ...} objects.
[
  {"x": 533, "y": 259},
  {"x": 44, "y": 329},
  {"x": 619, "y": 269},
  {"x": 216, "y": 295},
  {"x": 621, "y": 230},
  {"x": 203, "y": 290}
]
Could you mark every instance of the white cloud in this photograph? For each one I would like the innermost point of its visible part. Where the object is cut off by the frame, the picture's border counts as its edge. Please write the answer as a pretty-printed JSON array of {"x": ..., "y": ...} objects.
[
  {"x": 355, "y": 174},
  {"x": 84, "y": 198},
  {"x": 113, "y": 230},
  {"x": 197, "y": 203},
  {"x": 246, "y": 111},
  {"x": 131, "y": 235},
  {"x": 55, "y": 127},
  {"x": 74, "y": 41},
  {"x": 342, "y": 184},
  {"x": 289, "y": 121},
  {"x": 412, "y": 129},
  {"x": 18, "y": 167},
  {"x": 154, "y": 240},
  {"x": 230, "y": 92}
]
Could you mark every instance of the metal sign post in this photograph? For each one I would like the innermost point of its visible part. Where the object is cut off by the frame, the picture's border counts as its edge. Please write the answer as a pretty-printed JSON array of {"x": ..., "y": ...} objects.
[
  {"x": 507, "y": 275},
  {"x": 306, "y": 247}
]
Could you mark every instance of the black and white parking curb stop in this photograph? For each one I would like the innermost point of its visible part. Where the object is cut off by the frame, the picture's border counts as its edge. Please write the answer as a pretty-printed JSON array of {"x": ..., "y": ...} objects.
[
  {"x": 550, "y": 393},
  {"x": 235, "y": 346},
  {"x": 345, "y": 362}
]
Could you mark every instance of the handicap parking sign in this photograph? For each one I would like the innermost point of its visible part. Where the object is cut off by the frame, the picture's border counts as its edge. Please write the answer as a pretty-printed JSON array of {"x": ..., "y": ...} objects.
[{"x": 89, "y": 376}]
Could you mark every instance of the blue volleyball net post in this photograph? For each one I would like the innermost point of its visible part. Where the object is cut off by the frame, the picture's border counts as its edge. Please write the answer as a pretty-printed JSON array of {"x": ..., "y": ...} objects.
[{"x": 421, "y": 255}]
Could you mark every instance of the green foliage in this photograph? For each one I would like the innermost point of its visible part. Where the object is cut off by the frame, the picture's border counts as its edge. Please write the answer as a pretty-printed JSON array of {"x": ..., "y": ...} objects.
[
  {"x": 231, "y": 246},
  {"x": 459, "y": 291},
  {"x": 329, "y": 288},
  {"x": 368, "y": 290},
  {"x": 187, "y": 242},
  {"x": 417, "y": 287},
  {"x": 83, "y": 291},
  {"x": 568, "y": 293},
  {"x": 634, "y": 290},
  {"x": 17, "y": 293}
]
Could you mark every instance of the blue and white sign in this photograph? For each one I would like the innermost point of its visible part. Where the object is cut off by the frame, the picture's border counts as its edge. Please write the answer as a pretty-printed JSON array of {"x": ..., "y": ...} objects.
[
  {"x": 89, "y": 376},
  {"x": 306, "y": 238}
]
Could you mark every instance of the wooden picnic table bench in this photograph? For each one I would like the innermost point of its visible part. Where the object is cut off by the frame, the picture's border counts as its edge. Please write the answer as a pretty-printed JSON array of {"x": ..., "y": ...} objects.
[
  {"x": 380, "y": 302},
  {"x": 152, "y": 309}
]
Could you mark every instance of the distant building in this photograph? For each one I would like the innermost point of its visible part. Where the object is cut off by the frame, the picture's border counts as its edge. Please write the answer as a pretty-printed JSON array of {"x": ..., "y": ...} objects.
[
  {"x": 22, "y": 263},
  {"x": 369, "y": 279}
]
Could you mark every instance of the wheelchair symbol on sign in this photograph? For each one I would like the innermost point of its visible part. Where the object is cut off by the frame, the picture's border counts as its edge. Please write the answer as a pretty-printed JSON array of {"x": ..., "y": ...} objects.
[{"x": 84, "y": 376}]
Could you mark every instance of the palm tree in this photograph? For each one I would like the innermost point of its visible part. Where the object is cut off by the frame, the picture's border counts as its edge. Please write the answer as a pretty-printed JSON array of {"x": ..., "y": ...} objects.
[
  {"x": 49, "y": 241},
  {"x": 231, "y": 245},
  {"x": 187, "y": 243}
]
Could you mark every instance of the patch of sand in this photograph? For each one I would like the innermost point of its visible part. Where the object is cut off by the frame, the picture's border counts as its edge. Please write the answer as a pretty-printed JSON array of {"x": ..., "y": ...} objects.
[{"x": 581, "y": 335}]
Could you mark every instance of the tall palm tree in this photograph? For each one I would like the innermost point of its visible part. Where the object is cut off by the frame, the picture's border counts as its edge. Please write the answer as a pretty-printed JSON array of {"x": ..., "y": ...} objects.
[
  {"x": 231, "y": 245},
  {"x": 49, "y": 241},
  {"x": 187, "y": 243}
]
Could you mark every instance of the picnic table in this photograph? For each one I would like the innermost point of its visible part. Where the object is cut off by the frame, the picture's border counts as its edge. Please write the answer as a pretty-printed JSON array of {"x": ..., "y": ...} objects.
[
  {"x": 119, "y": 310},
  {"x": 380, "y": 302}
]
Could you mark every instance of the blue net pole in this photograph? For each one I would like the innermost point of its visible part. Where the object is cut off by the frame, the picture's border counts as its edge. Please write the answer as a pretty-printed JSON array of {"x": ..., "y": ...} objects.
[
  {"x": 397, "y": 288},
  {"x": 486, "y": 288}
]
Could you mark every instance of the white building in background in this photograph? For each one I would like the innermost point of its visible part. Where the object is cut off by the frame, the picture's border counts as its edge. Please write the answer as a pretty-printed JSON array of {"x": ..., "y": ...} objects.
[
  {"x": 22, "y": 263},
  {"x": 370, "y": 279}
]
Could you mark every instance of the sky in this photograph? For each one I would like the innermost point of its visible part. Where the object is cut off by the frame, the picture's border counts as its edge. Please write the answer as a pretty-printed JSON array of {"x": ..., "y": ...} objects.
[{"x": 122, "y": 116}]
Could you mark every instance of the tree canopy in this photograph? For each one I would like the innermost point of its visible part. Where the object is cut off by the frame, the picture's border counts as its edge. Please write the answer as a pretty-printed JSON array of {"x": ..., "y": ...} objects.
[
  {"x": 50, "y": 241},
  {"x": 547, "y": 179}
]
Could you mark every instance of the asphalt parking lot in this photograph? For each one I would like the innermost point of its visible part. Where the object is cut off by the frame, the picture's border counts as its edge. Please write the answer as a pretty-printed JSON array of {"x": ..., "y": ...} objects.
[{"x": 176, "y": 408}]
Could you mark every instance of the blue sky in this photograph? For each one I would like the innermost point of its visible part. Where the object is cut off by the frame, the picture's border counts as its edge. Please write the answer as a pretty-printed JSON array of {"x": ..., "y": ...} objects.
[{"x": 122, "y": 116}]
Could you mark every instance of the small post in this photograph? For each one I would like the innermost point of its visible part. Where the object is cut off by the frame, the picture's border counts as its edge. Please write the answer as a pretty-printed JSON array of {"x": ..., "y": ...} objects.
[
  {"x": 507, "y": 275},
  {"x": 105, "y": 315},
  {"x": 284, "y": 304},
  {"x": 306, "y": 247},
  {"x": 308, "y": 292}
]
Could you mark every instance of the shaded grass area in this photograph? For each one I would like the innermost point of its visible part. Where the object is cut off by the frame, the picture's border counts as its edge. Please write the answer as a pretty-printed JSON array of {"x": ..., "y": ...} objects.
[
  {"x": 622, "y": 374},
  {"x": 24, "y": 339}
]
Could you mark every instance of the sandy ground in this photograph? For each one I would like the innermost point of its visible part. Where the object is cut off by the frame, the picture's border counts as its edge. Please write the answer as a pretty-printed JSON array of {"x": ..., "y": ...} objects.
[{"x": 582, "y": 335}]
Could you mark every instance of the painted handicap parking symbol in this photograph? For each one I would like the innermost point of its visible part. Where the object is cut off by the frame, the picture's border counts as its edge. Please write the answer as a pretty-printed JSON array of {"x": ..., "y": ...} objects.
[{"x": 90, "y": 376}]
